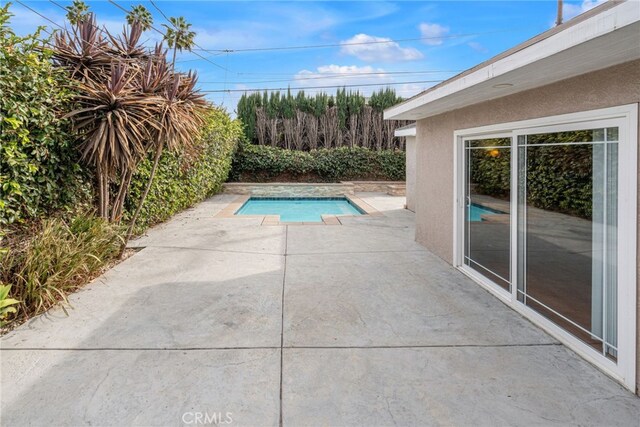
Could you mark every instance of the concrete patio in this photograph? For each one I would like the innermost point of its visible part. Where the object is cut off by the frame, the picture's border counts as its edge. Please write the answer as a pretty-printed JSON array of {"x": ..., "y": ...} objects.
[{"x": 295, "y": 325}]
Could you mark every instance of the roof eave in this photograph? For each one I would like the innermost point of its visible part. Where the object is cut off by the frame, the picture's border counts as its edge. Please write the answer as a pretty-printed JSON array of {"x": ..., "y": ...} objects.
[{"x": 598, "y": 22}]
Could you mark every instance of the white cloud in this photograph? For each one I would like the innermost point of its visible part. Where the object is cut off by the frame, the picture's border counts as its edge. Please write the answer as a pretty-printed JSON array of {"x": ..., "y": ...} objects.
[
  {"x": 371, "y": 48},
  {"x": 571, "y": 10},
  {"x": 434, "y": 32},
  {"x": 341, "y": 75}
]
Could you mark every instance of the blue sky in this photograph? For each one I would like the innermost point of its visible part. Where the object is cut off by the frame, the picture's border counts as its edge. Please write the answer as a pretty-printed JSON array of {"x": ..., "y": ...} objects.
[{"x": 455, "y": 35}]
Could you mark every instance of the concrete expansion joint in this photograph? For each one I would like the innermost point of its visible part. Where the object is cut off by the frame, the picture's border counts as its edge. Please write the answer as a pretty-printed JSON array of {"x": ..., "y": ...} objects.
[
  {"x": 281, "y": 347},
  {"x": 284, "y": 279}
]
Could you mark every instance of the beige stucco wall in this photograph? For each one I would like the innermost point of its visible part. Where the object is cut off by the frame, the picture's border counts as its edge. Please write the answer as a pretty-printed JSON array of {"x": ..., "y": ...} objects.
[
  {"x": 610, "y": 87},
  {"x": 411, "y": 172}
]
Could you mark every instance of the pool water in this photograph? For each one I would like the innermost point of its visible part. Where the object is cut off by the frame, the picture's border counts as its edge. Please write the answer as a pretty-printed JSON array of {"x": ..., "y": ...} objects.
[
  {"x": 476, "y": 212},
  {"x": 307, "y": 209}
]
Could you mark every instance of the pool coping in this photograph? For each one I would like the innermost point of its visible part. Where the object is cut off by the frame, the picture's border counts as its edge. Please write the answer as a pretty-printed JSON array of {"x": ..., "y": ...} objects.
[{"x": 230, "y": 210}]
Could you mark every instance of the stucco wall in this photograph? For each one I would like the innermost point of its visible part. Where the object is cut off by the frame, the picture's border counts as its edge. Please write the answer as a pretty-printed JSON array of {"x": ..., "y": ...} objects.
[
  {"x": 610, "y": 87},
  {"x": 411, "y": 172}
]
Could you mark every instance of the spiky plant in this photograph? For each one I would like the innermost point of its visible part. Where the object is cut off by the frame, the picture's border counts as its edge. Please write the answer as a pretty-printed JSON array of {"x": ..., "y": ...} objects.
[
  {"x": 151, "y": 81},
  {"x": 141, "y": 15},
  {"x": 181, "y": 116},
  {"x": 113, "y": 120},
  {"x": 127, "y": 45},
  {"x": 129, "y": 103},
  {"x": 83, "y": 50},
  {"x": 179, "y": 36}
]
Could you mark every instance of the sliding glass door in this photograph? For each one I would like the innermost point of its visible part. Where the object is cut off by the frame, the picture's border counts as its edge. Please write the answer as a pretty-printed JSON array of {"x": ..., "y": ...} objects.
[
  {"x": 487, "y": 208},
  {"x": 567, "y": 231},
  {"x": 547, "y": 219}
]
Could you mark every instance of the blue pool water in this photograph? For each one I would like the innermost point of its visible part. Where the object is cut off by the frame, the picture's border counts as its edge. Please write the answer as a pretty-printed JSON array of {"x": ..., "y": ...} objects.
[
  {"x": 298, "y": 209},
  {"x": 476, "y": 212}
]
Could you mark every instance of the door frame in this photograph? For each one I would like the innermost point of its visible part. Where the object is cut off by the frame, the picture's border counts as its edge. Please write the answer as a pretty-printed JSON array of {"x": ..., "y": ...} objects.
[
  {"x": 459, "y": 214},
  {"x": 625, "y": 117}
]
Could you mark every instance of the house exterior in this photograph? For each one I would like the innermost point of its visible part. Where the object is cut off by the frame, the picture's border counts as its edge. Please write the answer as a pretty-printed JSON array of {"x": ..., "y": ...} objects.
[
  {"x": 526, "y": 180},
  {"x": 409, "y": 134}
]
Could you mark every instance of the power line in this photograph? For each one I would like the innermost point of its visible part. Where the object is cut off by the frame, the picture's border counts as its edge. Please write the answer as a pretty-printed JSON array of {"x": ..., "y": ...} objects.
[
  {"x": 162, "y": 34},
  {"x": 102, "y": 30},
  {"x": 320, "y": 87},
  {"x": 40, "y": 15},
  {"x": 161, "y": 12},
  {"x": 346, "y": 73},
  {"x": 194, "y": 43},
  {"x": 321, "y": 46},
  {"x": 333, "y": 76}
]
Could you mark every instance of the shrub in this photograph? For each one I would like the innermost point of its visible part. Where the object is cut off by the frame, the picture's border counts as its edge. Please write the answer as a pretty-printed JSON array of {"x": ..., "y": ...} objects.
[
  {"x": 257, "y": 163},
  {"x": 183, "y": 181},
  {"x": 559, "y": 178},
  {"x": 38, "y": 163},
  {"x": 55, "y": 258}
]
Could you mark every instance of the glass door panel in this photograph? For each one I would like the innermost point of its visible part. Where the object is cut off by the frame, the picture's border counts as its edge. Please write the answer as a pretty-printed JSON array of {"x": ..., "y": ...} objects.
[
  {"x": 567, "y": 228},
  {"x": 487, "y": 210}
]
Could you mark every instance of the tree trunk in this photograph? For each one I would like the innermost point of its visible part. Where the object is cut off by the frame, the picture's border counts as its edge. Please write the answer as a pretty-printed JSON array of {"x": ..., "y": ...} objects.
[
  {"x": 132, "y": 225},
  {"x": 118, "y": 203},
  {"x": 103, "y": 192}
]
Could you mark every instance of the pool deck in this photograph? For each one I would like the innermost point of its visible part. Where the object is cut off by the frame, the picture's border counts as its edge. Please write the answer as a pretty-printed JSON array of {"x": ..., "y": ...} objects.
[{"x": 295, "y": 325}]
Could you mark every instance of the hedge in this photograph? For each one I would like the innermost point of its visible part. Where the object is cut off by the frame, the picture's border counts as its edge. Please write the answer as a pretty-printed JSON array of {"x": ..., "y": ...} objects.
[
  {"x": 559, "y": 178},
  {"x": 181, "y": 182},
  {"x": 258, "y": 163},
  {"x": 39, "y": 169}
]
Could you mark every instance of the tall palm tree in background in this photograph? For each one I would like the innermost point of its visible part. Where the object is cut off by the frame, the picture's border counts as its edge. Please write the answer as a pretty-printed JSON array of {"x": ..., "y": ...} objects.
[
  {"x": 178, "y": 36},
  {"x": 77, "y": 12},
  {"x": 141, "y": 15}
]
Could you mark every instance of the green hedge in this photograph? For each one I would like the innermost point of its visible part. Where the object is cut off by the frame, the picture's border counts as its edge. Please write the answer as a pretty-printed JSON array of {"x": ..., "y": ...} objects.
[
  {"x": 181, "y": 182},
  {"x": 259, "y": 163},
  {"x": 559, "y": 178},
  {"x": 39, "y": 170}
]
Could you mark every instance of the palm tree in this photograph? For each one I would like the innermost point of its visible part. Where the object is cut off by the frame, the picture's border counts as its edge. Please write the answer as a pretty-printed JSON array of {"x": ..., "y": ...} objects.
[
  {"x": 179, "y": 36},
  {"x": 141, "y": 15},
  {"x": 77, "y": 12}
]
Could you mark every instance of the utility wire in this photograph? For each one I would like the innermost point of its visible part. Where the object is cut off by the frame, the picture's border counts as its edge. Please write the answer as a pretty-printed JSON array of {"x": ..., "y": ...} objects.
[
  {"x": 206, "y": 58},
  {"x": 161, "y": 12},
  {"x": 332, "y": 76},
  {"x": 40, "y": 15},
  {"x": 321, "y": 46},
  {"x": 358, "y": 74},
  {"x": 162, "y": 34},
  {"x": 319, "y": 87},
  {"x": 102, "y": 30}
]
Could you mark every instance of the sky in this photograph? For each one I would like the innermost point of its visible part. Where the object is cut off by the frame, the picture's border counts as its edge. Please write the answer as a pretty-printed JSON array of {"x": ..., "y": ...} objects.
[{"x": 407, "y": 45}]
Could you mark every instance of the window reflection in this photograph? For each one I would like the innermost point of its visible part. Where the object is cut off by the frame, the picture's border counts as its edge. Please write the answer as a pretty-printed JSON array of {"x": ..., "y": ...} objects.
[
  {"x": 567, "y": 231},
  {"x": 487, "y": 220}
]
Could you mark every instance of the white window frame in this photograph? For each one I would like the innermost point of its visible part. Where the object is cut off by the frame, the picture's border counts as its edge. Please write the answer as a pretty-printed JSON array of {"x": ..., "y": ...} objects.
[{"x": 625, "y": 117}]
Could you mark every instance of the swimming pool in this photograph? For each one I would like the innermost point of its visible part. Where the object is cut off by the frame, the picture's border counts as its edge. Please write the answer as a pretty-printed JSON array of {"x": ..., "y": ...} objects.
[
  {"x": 299, "y": 209},
  {"x": 476, "y": 211}
]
